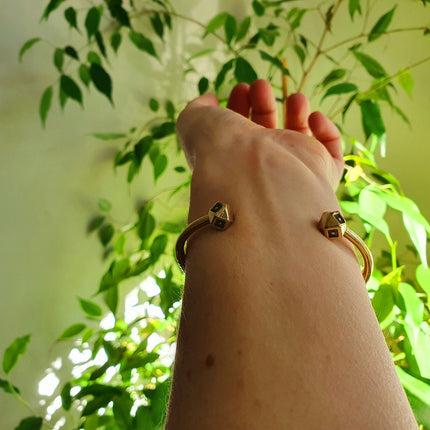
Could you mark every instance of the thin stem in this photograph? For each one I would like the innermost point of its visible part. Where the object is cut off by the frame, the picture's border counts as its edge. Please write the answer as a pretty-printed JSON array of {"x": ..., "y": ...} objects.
[
  {"x": 359, "y": 36},
  {"x": 319, "y": 50}
]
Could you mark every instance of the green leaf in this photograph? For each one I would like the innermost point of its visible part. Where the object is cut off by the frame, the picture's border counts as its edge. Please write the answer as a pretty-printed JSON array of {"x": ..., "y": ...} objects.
[
  {"x": 72, "y": 331},
  {"x": 203, "y": 85},
  {"x": 63, "y": 97},
  {"x": 158, "y": 246},
  {"x": 300, "y": 53},
  {"x": 71, "y": 18},
  {"x": 215, "y": 23},
  {"x": 121, "y": 409},
  {"x": 418, "y": 235},
  {"x": 90, "y": 308},
  {"x": 413, "y": 305},
  {"x": 30, "y": 423},
  {"x": 383, "y": 302},
  {"x": 371, "y": 208},
  {"x": 4, "y": 385},
  {"x": 159, "y": 165},
  {"x": 371, "y": 119},
  {"x": 370, "y": 64},
  {"x": 66, "y": 398},
  {"x": 68, "y": 85},
  {"x": 343, "y": 88},
  {"x": 353, "y": 7},
  {"x": 59, "y": 59},
  {"x": 27, "y": 45},
  {"x": 118, "y": 12},
  {"x": 45, "y": 104},
  {"x": 92, "y": 21},
  {"x": 106, "y": 233},
  {"x": 146, "y": 226},
  {"x": 119, "y": 244},
  {"x": 13, "y": 351},
  {"x": 95, "y": 223},
  {"x": 244, "y": 72},
  {"x": 423, "y": 277},
  {"x": 87, "y": 335},
  {"x": 170, "y": 112},
  {"x": 243, "y": 28},
  {"x": 170, "y": 292},
  {"x": 143, "y": 418},
  {"x": 418, "y": 393},
  {"x": 101, "y": 80},
  {"x": 52, "y": 5},
  {"x": 142, "y": 43},
  {"x": 84, "y": 74},
  {"x": 381, "y": 25},
  {"x": 295, "y": 17},
  {"x": 406, "y": 81},
  {"x": 108, "y": 136},
  {"x": 153, "y": 105},
  {"x": 220, "y": 78},
  {"x": 230, "y": 27},
  {"x": 112, "y": 298},
  {"x": 157, "y": 25},
  {"x": 104, "y": 205},
  {"x": 93, "y": 57},
  {"x": 334, "y": 75},
  {"x": 115, "y": 41},
  {"x": 258, "y": 8},
  {"x": 142, "y": 148},
  {"x": 100, "y": 43},
  {"x": 71, "y": 52},
  {"x": 274, "y": 61}
]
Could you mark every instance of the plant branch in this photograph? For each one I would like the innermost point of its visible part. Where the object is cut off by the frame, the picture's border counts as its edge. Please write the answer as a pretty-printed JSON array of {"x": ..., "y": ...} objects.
[{"x": 319, "y": 51}]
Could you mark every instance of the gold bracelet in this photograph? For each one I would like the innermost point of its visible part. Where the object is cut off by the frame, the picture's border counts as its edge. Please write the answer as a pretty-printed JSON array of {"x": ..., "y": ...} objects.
[{"x": 220, "y": 217}]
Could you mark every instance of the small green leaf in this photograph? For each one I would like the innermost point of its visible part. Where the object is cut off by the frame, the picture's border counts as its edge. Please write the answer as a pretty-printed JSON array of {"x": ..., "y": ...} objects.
[
  {"x": 104, "y": 205},
  {"x": 63, "y": 97},
  {"x": 295, "y": 17},
  {"x": 112, "y": 298},
  {"x": 244, "y": 72},
  {"x": 406, "y": 81},
  {"x": 68, "y": 85},
  {"x": 101, "y": 80},
  {"x": 4, "y": 385},
  {"x": 27, "y": 45},
  {"x": 59, "y": 59},
  {"x": 87, "y": 335},
  {"x": 300, "y": 53},
  {"x": 258, "y": 8},
  {"x": 71, "y": 52},
  {"x": 243, "y": 28},
  {"x": 142, "y": 43},
  {"x": 423, "y": 277},
  {"x": 343, "y": 88},
  {"x": 45, "y": 104},
  {"x": 119, "y": 244},
  {"x": 203, "y": 85},
  {"x": 371, "y": 119},
  {"x": 30, "y": 423},
  {"x": 115, "y": 41},
  {"x": 100, "y": 43},
  {"x": 180, "y": 169},
  {"x": 52, "y": 5},
  {"x": 170, "y": 112},
  {"x": 146, "y": 226},
  {"x": 108, "y": 136},
  {"x": 90, "y": 308},
  {"x": 13, "y": 351},
  {"x": 84, "y": 74},
  {"x": 92, "y": 21},
  {"x": 220, "y": 78},
  {"x": 71, "y": 18},
  {"x": 66, "y": 398},
  {"x": 157, "y": 25},
  {"x": 215, "y": 23},
  {"x": 159, "y": 166},
  {"x": 93, "y": 57},
  {"x": 370, "y": 64},
  {"x": 142, "y": 148},
  {"x": 381, "y": 25},
  {"x": 72, "y": 331},
  {"x": 158, "y": 246},
  {"x": 153, "y": 105},
  {"x": 118, "y": 12},
  {"x": 95, "y": 223},
  {"x": 163, "y": 130},
  {"x": 418, "y": 235},
  {"x": 106, "y": 233},
  {"x": 275, "y": 61},
  {"x": 230, "y": 27},
  {"x": 353, "y": 7},
  {"x": 334, "y": 75},
  {"x": 413, "y": 305},
  {"x": 383, "y": 302}
]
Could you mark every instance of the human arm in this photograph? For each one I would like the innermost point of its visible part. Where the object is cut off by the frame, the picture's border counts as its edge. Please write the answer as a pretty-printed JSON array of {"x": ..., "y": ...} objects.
[{"x": 276, "y": 330}]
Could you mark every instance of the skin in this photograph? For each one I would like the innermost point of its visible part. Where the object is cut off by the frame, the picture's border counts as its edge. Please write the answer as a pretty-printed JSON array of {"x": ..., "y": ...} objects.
[{"x": 276, "y": 330}]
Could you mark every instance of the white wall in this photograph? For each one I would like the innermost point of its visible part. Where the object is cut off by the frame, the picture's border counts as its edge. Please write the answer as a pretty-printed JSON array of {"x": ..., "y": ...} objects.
[{"x": 50, "y": 180}]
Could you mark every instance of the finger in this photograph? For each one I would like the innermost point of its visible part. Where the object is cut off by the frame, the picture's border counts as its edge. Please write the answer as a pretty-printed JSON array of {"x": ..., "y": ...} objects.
[
  {"x": 239, "y": 100},
  {"x": 263, "y": 104},
  {"x": 298, "y": 110}
]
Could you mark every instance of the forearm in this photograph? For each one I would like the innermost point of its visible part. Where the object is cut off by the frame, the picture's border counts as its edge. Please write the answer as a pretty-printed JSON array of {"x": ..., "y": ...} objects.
[{"x": 277, "y": 330}]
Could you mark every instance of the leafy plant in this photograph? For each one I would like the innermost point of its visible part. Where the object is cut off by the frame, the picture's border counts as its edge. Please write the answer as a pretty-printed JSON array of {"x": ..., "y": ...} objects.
[{"x": 124, "y": 372}]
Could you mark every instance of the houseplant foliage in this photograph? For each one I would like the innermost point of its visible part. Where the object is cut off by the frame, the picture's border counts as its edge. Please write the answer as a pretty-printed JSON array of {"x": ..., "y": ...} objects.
[{"x": 123, "y": 381}]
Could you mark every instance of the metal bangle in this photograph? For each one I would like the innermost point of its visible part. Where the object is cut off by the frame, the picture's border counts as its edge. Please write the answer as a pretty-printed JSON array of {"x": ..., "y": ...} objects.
[{"x": 332, "y": 225}]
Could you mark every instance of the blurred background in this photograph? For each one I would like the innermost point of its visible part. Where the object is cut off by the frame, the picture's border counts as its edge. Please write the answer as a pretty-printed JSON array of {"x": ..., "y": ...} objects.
[{"x": 51, "y": 180}]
